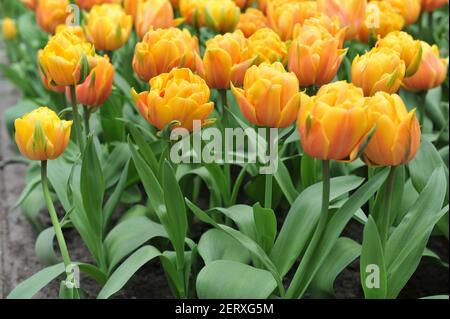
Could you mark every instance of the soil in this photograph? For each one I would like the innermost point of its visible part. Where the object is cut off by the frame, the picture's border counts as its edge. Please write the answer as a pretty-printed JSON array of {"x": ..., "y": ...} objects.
[{"x": 18, "y": 260}]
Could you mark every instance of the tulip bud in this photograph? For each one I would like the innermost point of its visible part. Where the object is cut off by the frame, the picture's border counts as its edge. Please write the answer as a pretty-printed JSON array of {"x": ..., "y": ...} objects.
[
  {"x": 351, "y": 13},
  {"x": 251, "y": 21},
  {"x": 178, "y": 96},
  {"x": 381, "y": 18},
  {"x": 315, "y": 55},
  {"x": 221, "y": 15},
  {"x": 431, "y": 5},
  {"x": 108, "y": 26},
  {"x": 88, "y": 4},
  {"x": 41, "y": 135},
  {"x": 270, "y": 96},
  {"x": 397, "y": 135},
  {"x": 409, "y": 49},
  {"x": 193, "y": 12},
  {"x": 283, "y": 16},
  {"x": 409, "y": 9},
  {"x": 95, "y": 90},
  {"x": 432, "y": 70},
  {"x": 224, "y": 61},
  {"x": 30, "y": 4},
  {"x": 267, "y": 46},
  {"x": 51, "y": 13},
  {"x": 65, "y": 59},
  {"x": 380, "y": 69},
  {"x": 164, "y": 49},
  {"x": 9, "y": 29},
  {"x": 333, "y": 124}
]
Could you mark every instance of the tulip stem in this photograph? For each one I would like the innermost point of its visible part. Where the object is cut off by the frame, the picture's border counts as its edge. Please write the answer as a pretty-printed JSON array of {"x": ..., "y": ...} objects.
[
  {"x": 300, "y": 283},
  {"x": 268, "y": 191},
  {"x": 226, "y": 166},
  {"x": 76, "y": 118},
  {"x": 386, "y": 217},
  {"x": 54, "y": 217},
  {"x": 87, "y": 116}
]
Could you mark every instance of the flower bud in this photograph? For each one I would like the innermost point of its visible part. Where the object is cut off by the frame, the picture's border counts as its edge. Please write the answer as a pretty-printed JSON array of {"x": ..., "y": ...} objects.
[
  {"x": 51, "y": 13},
  {"x": 221, "y": 15},
  {"x": 251, "y": 21},
  {"x": 267, "y": 46}
]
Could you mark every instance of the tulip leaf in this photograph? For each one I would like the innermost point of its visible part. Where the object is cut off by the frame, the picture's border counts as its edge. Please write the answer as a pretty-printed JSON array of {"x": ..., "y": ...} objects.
[
  {"x": 45, "y": 252},
  {"x": 284, "y": 180},
  {"x": 226, "y": 279},
  {"x": 265, "y": 225}
]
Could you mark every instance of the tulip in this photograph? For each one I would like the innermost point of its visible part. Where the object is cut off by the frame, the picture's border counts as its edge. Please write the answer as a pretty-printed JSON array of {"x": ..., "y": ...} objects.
[
  {"x": 164, "y": 49},
  {"x": 380, "y": 69},
  {"x": 88, "y": 4},
  {"x": 48, "y": 84},
  {"x": 51, "y": 13},
  {"x": 65, "y": 59},
  {"x": 270, "y": 96},
  {"x": 381, "y": 19},
  {"x": 409, "y": 9},
  {"x": 178, "y": 96},
  {"x": 131, "y": 6},
  {"x": 9, "y": 29},
  {"x": 76, "y": 30},
  {"x": 30, "y": 4},
  {"x": 108, "y": 26},
  {"x": 283, "y": 16},
  {"x": 315, "y": 55},
  {"x": 224, "y": 62},
  {"x": 322, "y": 21},
  {"x": 267, "y": 46},
  {"x": 193, "y": 12},
  {"x": 333, "y": 124},
  {"x": 351, "y": 13},
  {"x": 251, "y": 21},
  {"x": 432, "y": 70},
  {"x": 95, "y": 90},
  {"x": 41, "y": 135},
  {"x": 409, "y": 49},
  {"x": 221, "y": 15},
  {"x": 397, "y": 135},
  {"x": 431, "y": 5}
]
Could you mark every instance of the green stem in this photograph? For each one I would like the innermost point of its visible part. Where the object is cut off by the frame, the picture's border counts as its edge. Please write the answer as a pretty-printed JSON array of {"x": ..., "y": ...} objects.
[
  {"x": 422, "y": 100},
  {"x": 237, "y": 185},
  {"x": 86, "y": 116},
  {"x": 226, "y": 166},
  {"x": 268, "y": 191},
  {"x": 387, "y": 207},
  {"x": 54, "y": 217},
  {"x": 76, "y": 118},
  {"x": 295, "y": 290}
]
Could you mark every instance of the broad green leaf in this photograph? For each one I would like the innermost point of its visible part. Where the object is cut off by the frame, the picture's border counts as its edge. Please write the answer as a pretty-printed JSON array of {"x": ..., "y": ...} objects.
[
  {"x": 215, "y": 244},
  {"x": 144, "y": 148},
  {"x": 266, "y": 226},
  {"x": 114, "y": 199},
  {"x": 45, "y": 252},
  {"x": 284, "y": 180}
]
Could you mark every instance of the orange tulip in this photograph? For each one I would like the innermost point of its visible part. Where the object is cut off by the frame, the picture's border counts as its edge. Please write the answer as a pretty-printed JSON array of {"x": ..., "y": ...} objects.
[
  {"x": 267, "y": 46},
  {"x": 51, "y": 13},
  {"x": 351, "y": 13},
  {"x": 224, "y": 61},
  {"x": 88, "y": 4},
  {"x": 108, "y": 26},
  {"x": 221, "y": 15},
  {"x": 380, "y": 69},
  {"x": 251, "y": 21},
  {"x": 131, "y": 6},
  {"x": 156, "y": 14},
  {"x": 431, "y": 5},
  {"x": 397, "y": 135},
  {"x": 164, "y": 49},
  {"x": 332, "y": 25},
  {"x": 179, "y": 96},
  {"x": 381, "y": 18},
  {"x": 284, "y": 16},
  {"x": 409, "y": 9},
  {"x": 31, "y": 4},
  {"x": 432, "y": 70},
  {"x": 41, "y": 135},
  {"x": 315, "y": 55},
  {"x": 193, "y": 12},
  {"x": 270, "y": 96},
  {"x": 333, "y": 124}
]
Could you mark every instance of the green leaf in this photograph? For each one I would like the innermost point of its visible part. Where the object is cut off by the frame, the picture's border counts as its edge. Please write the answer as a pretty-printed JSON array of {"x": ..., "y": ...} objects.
[
  {"x": 225, "y": 279},
  {"x": 144, "y": 148},
  {"x": 215, "y": 244},
  {"x": 45, "y": 252},
  {"x": 308, "y": 170},
  {"x": 284, "y": 180},
  {"x": 112, "y": 110},
  {"x": 126, "y": 270},
  {"x": 372, "y": 263},
  {"x": 266, "y": 226}
]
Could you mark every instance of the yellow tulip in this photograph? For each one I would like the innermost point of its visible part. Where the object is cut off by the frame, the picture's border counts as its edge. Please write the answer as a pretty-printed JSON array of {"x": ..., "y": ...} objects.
[
  {"x": 332, "y": 25},
  {"x": 270, "y": 96},
  {"x": 65, "y": 59},
  {"x": 164, "y": 49},
  {"x": 409, "y": 9},
  {"x": 351, "y": 13},
  {"x": 41, "y": 135},
  {"x": 284, "y": 16},
  {"x": 432, "y": 70},
  {"x": 409, "y": 49},
  {"x": 315, "y": 55},
  {"x": 179, "y": 96},
  {"x": 431, "y": 5},
  {"x": 381, "y": 18},
  {"x": 333, "y": 124},
  {"x": 76, "y": 30},
  {"x": 397, "y": 135},
  {"x": 267, "y": 46},
  {"x": 51, "y": 13},
  {"x": 88, "y": 4},
  {"x": 108, "y": 26},
  {"x": 224, "y": 61},
  {"x": 193, "y": 12},
  {"x": 221, "y": 15},
  {"x": 380, "y": 69},
  {"x": 9, "y": 29},
  {"x": 251, "y": 21}
]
